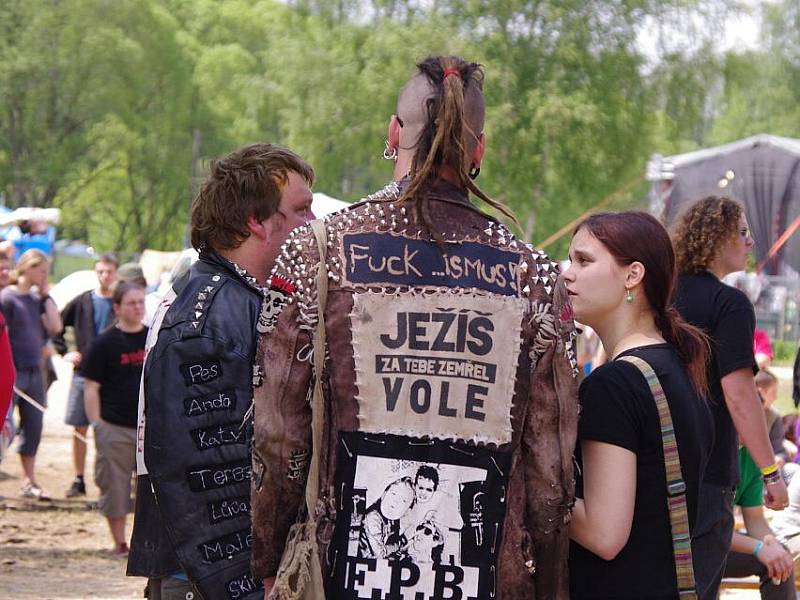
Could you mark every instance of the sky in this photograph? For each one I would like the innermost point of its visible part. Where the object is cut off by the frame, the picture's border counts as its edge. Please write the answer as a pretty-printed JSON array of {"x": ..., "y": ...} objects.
[
  {"x": 736, "y": 32},
  {"x": 742, "y": 31}
]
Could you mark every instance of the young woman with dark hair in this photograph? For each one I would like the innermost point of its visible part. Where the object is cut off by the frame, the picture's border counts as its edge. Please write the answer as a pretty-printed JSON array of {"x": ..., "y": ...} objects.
[{"x": 621, "y": 281}]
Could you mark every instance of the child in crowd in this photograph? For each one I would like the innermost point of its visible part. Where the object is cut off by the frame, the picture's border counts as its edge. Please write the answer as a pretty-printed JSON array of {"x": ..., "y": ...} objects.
[
  {"x": 758, "y": 550},
  {"x": 112, "y": 371},
  {"x": 767, "y": 386}
]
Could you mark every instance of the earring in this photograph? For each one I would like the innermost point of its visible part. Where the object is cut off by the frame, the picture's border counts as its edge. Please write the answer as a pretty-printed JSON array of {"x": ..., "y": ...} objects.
[
  {"x": 628, "y": 296},
  {"x": 389, "y": 153},
  {"x": 474, "y": 172}
]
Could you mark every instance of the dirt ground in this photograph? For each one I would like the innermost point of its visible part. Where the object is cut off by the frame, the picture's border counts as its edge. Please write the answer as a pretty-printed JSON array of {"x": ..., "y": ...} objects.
[{"x": 59, "y": 549}]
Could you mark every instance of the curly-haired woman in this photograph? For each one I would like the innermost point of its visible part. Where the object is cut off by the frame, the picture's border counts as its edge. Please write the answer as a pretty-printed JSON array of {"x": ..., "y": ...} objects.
[{"x": 712, "y": 239}]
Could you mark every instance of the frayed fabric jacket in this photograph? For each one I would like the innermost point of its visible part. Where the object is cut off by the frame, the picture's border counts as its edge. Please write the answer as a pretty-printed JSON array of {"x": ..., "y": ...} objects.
[{"x": 450, "y": 406}]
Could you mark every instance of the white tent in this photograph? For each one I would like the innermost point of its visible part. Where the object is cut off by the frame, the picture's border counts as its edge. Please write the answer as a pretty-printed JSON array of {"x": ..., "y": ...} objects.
[
  {"x": 51, "y": 216},
  {"x": 73, "y": 284},
  {"x": 324, "y": 204}
]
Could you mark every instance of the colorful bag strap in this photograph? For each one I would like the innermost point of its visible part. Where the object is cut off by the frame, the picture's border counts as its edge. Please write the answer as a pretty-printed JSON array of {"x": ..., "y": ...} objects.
[
  {"x": 317, "y": 404},
  {"x": 676, "y": 487}
]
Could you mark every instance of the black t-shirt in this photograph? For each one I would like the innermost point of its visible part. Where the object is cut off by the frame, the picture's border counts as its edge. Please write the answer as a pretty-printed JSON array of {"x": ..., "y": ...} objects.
[
  {"x": 617, "y": 408},
  {"x": 115, "y": 361},
  {"x": 727, "y": 317}
]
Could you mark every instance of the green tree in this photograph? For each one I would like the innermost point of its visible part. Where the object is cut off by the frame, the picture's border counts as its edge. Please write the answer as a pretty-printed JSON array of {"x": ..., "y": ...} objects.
[
  {"x": 110, "y": 111},
  {"x": 48, "y": 79}
]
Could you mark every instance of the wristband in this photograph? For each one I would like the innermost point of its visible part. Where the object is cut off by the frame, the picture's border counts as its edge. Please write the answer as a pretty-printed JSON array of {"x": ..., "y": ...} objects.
[
  {"x": 757, "y": 549},
  {"x": 773, "y": 468},
  {"x": 772, "y": 478}
]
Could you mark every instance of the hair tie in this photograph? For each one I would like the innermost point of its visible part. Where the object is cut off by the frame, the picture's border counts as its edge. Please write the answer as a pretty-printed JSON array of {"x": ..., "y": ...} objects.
[{"x": 451, "y": 71}]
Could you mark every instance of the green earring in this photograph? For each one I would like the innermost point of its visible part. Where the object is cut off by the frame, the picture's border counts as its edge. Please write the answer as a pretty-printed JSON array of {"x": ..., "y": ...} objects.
[{"x": 628, "y": 296}]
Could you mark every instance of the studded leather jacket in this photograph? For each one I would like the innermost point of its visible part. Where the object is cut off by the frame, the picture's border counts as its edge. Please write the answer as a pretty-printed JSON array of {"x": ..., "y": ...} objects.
[
  {"x": 450, "y": 407},
  {"x": 193, "y": 450}
]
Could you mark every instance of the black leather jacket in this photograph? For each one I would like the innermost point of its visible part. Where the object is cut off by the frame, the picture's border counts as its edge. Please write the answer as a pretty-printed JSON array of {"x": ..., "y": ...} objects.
[{"x": 193, "y": 509}]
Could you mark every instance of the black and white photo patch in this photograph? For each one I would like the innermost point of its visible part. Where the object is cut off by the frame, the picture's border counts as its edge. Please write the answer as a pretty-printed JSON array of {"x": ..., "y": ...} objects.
[{"x": 418, "y": 519}]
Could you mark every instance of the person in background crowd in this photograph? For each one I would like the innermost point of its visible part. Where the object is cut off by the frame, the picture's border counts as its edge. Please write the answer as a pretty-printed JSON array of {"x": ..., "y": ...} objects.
[
  {"x": 112, "y": 372},
  {"x": 758, "y": 551},
  {"x": 767, "y": 387},
  {"x": 588, "y": 348},
  {"x": 620, "y": 280},
  {"x": 789, "y": 435},
  {"x": 199, "y": 376},
  {"x": 132, "y": 272},
  {"x": 786, "y": 524},
  {"x": 5, "y": 270},
  {"x": 88, "y": 314},
  {"x": 762, "y": 348},
  {"x": 712, "y": 239},
  {"x": 31, "y": 316},
  {"x": 153, "y": 299},
  {"x": 7, "y": 249}
]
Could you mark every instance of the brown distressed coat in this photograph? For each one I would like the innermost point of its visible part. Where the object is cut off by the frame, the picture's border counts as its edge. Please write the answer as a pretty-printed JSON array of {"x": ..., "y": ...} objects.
[{"x": 541, "y": 402}]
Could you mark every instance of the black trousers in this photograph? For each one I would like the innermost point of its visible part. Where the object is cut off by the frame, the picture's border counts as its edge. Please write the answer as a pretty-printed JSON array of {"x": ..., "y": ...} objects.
[
  {"x": 744, "y": 565},
  {"x": 711, "y": 539}
]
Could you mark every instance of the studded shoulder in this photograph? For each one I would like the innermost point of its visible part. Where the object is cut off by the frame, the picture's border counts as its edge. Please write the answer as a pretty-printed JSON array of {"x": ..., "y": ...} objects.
[{"x": 197, "y": 309}]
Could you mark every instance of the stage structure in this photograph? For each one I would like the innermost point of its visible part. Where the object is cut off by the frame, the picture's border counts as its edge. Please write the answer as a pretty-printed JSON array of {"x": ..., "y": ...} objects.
[{"x": 763, "y": 172}]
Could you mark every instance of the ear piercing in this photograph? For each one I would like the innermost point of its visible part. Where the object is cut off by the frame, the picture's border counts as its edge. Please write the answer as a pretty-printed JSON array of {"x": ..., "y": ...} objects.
[{"x": 388, "y": 152}]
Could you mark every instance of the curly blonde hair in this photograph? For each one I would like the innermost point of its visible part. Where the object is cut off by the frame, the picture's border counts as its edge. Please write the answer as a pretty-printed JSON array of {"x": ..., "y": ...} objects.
[{"x": 702, "y": 230}]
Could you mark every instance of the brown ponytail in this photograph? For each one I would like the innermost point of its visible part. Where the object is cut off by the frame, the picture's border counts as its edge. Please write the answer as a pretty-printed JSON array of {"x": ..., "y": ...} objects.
[
  {"x": 442, "y": 140},
  {"x": 690, "y": 342}
]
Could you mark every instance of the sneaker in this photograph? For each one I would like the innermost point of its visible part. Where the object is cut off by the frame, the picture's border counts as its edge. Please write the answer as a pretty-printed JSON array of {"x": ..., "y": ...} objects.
[
  {"x": 78, "y": 488},
  {"x": 31, "y": 490}
]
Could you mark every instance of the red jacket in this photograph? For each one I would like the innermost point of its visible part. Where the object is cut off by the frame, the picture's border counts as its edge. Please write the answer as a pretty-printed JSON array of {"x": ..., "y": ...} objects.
[{"x": 6, "y": 370}]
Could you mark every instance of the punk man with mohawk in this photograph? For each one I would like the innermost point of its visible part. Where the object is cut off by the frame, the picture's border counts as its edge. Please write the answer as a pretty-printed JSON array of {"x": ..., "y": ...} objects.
[{"x": 445, "y": 347}]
